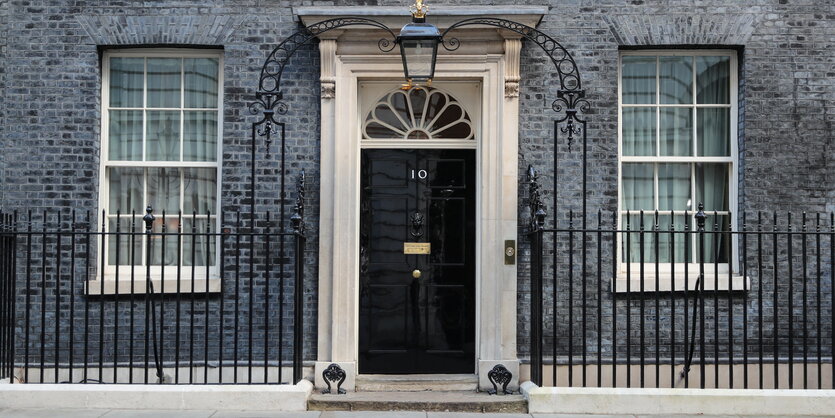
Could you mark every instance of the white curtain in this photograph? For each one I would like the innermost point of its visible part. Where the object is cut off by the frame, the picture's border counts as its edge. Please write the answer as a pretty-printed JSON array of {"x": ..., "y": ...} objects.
[
  {"x": 201, "y": 82},
  {"x": 199, "y": 197},
  {"x": 126, "y": 76},
  {"x": 164, "y": 195},
  {"x": 638, "y": 80},
  {"x": 670, "y": 129},
  {"x": 200, "y": 136},
  {"x": 126, "y": 198},
  {"x": 164, "y": 82},
  {"x": 162, "y": 138}
]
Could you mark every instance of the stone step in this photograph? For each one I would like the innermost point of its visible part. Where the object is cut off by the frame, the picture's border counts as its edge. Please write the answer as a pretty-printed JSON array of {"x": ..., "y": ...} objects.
[
  {"x": 416, "y": 383},
  {"x": 451, "y": 401}
]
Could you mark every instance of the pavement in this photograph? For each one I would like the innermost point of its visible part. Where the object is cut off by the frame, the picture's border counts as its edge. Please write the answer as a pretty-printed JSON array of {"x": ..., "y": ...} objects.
[{"x": 124, "y": 413}]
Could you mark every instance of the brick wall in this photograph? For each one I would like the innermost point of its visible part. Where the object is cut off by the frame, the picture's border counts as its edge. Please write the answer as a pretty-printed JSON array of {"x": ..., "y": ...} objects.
[
  {"x": 4, "y": 22},
  {"x": 50, "y": 109}
]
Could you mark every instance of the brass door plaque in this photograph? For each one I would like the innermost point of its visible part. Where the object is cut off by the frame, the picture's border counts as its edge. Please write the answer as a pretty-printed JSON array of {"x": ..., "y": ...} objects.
[{"x": 416, "y": 248}]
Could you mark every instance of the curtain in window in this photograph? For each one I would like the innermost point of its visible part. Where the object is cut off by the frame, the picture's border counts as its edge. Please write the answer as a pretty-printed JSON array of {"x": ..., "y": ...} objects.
[
  {"x": 200, "y": 136},
  {"x": 126, "y": 197},
  {"x": 201, "y": 82},
  {"x": 126, "y": 81},
  {"x": 199, "y": 197},
  {"x": 163, "y": 111}
]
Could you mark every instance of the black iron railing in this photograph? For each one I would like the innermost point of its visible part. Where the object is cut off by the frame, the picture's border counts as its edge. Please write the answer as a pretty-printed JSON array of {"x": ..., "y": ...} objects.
[
  {"x": 635, "y": 299},
  {"x": 151, "y": 298}
]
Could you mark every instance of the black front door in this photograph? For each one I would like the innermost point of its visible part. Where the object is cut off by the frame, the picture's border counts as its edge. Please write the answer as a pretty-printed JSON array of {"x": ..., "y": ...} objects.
[{"x": 417, "y": 261}]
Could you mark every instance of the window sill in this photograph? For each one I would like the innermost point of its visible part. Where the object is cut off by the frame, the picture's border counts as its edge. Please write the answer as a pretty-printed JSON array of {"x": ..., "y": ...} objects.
[
  {"x": 666, "y": 281},
  {"x": 167, "y": 286}
]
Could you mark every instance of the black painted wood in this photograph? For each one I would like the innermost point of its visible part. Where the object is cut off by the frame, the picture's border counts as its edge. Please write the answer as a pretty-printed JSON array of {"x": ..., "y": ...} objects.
[{"x": 424, "y": 324}]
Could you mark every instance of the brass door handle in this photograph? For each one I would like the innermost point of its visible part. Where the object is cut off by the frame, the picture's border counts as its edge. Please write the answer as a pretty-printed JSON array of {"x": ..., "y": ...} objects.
[{"x": 416, "y": 273}]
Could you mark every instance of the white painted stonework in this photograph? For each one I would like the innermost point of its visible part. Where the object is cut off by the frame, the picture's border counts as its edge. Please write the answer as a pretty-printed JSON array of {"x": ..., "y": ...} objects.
[
  {"x": 667, "y": 402},
  {"x": 488, "y": 57},
  {"x": 172, "y": 397}
]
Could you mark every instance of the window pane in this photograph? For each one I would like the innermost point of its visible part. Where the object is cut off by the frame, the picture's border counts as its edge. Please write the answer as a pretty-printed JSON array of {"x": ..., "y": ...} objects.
[
  {"x": 676, "y": 80},
  {"x": 126, "y": 76},
  {"x": 638, "y": 80},
  {"x": 632, "y": 243},
  {"x": 164, "y": 190},
  {"x": 195, "y": 249},
  {"x": 200, "y": 189},
  {"x": 125, "y": 189},
  {"x": 674, "y": 187},
  {"x": 712, "y": 186},
  {"x": 717, "y": 240},
  {"x": 125, "y": 135},
  {"x": 638, "y": 131},
  {"x": 127, "y": 252},
  {"x": 200, "y": 136},
  {"x": 671, "y": 244},
  {"x": 417, "y": 57},
  {"x": 163, "y": 82},
  {"x": 164, "y": 253},
  {"x": 676, "y": 131},
  {"x": 201, "y": 82},
  {"x": 713, "y": 79},
  {"x": 638, "y": 187},
  {"x": 163, "y": 136},
  {"x": 714, "y": 132}
]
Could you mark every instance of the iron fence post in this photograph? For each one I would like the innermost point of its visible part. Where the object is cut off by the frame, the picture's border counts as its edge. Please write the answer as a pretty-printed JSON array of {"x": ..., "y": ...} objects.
[
  {"x": 700, "y": 221},
  {"x": 297, "y": 219},
  {"x": 537, "y": 224}
]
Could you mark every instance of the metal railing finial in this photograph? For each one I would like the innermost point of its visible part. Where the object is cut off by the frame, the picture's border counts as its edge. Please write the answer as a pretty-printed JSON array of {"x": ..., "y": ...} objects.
[{"x": 149, "y": 218}]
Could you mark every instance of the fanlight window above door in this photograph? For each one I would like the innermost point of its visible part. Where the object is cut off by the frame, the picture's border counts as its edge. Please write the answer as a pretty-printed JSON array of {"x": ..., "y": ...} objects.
[{"x": 421, "y": 113}]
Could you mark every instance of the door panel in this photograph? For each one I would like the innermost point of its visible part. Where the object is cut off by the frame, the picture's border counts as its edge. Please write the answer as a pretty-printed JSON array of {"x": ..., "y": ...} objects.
[{"x": 425, "y": 324}]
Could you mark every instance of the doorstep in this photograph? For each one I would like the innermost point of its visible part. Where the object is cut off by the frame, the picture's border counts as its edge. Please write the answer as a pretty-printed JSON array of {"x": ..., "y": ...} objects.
[
  {"x": 417, "y": 383},
  {"x": 433, "y": 401}
]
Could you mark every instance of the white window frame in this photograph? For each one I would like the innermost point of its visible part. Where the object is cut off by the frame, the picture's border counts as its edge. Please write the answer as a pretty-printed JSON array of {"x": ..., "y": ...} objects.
[
  {"x": 164, "y": 278},
  {"x": 729, "y": 277}
]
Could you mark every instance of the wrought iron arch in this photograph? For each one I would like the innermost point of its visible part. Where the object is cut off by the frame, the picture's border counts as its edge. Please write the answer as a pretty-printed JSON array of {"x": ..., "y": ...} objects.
[
  {"x": 570, "y": 97},
  {"x": 268, "y": 97},
  {"x": 269, "y": 93},
  {"x": 569, "y": 101},
  {"x": 562, "y": 59}
]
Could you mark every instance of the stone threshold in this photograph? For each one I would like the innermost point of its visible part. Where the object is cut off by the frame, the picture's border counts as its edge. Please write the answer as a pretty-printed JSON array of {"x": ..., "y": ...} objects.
[{"x": 430, "y": 401}]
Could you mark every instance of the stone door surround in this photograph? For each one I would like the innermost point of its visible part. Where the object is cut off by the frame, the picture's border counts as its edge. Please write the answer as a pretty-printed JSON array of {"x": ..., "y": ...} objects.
[{"x": 350, "y": 55}]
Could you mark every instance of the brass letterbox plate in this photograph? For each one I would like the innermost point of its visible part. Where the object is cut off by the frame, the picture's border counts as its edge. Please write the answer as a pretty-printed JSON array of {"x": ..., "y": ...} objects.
[{"x": 416, "y": 248}]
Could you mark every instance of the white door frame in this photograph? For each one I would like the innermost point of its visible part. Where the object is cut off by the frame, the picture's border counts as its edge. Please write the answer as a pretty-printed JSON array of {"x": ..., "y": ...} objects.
[{"x": 496, "y": 207}]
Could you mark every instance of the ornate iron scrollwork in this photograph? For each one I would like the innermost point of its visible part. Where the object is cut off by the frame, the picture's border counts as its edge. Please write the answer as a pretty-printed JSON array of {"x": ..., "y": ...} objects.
[
  {"x": 499, "y": 375},
  {"x": 298, "y": 213},
  {"x": 417, "y": 224},
  {"x": 535, "y": 204},
  {"x": 571, "y": 102},
  {"x": 563, "y": 61},
  {"x": 334, "y": 374},
  {"x": 273, "y": 68},
  {"x": 570, "y": 97}
]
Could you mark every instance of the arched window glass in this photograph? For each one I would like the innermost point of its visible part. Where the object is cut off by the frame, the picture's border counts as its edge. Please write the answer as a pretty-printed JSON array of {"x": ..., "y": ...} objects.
[{"x": 421, "y": 113}]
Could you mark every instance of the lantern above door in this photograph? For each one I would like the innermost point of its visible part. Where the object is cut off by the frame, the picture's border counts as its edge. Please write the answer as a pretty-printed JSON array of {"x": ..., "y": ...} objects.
[{"x": 418, "y": 42}]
